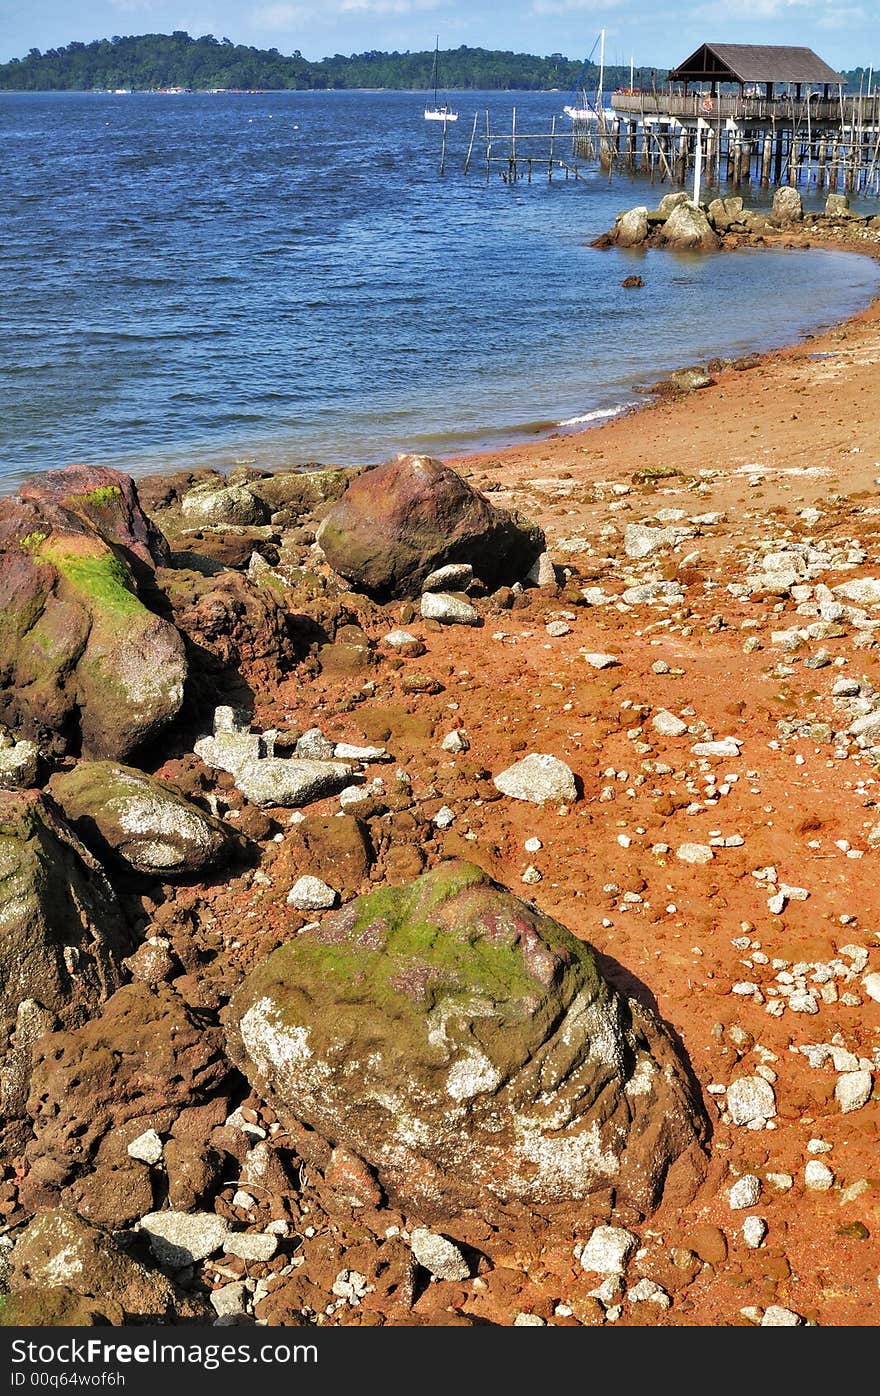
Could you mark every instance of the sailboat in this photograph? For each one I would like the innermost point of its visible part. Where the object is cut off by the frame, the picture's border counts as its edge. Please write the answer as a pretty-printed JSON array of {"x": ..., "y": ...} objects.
[
  {"x": 584, "y": 111},
  {"x": 436, "y": 112}
]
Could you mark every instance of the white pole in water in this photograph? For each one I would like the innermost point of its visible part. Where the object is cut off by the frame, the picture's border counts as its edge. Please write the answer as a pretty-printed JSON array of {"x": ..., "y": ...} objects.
[
  {"x": 698, "y": 161},
  {"x": 632, "y": 71},
  {"x": 601, "y": 68}
]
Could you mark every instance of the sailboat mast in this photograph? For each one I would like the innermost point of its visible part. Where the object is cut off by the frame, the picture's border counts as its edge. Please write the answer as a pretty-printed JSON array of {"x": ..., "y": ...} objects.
[
  {"x": 601, "y": 67},
  {"x": 436, "y": 68}
]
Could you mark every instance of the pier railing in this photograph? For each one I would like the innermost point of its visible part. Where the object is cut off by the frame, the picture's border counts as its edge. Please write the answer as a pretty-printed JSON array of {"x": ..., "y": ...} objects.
[{"x": 861, "y": 111}]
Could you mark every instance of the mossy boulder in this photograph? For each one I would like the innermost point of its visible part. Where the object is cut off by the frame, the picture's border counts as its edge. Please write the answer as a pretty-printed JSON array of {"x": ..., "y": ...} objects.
[
  {"x": 470, "y": 1050},
  {"x": 84, "y": 662},
  {"x": 120, "y": 812},
  {"x": 59, "y": 1247},
  {"x": 397, "y": 523},
  {"x": 57, "y": 1306}
]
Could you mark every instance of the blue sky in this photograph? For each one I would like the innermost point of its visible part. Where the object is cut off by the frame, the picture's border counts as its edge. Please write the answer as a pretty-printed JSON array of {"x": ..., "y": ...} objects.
[{"x": 845, "y": 32}]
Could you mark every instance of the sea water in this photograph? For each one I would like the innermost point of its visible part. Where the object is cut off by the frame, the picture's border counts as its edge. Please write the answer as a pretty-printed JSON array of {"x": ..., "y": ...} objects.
[{"x": 285, "y": 277}]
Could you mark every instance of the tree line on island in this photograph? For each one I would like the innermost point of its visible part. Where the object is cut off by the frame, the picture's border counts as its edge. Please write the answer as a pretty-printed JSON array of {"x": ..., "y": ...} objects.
[{"x": 152, "y": 62}]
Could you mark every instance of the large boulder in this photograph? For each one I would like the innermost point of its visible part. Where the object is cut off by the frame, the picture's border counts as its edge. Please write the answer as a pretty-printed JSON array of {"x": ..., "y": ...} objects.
[
  {"x": 399, "y": 522},
  {"x": 61, "y": 1248},
  {"x": 631, "y": 228},
  {"x": 84, "y": 661},
  {"x": 725, "y": 212},
  {"x": 788, "y": 206},
  {"x": 120, "y": 811},
  {"x": 687, "y": 229},
  {"x": 62, "y": 936},
  {"x": 145, "y": 1059},
  {"x": 469, "y": 1049}
]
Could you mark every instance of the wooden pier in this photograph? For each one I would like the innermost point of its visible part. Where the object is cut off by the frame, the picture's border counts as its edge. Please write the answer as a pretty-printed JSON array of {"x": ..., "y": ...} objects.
[{"x": 802, "y": 128}]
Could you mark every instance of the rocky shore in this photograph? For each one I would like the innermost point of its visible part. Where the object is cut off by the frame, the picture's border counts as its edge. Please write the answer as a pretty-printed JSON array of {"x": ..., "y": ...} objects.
[
  {"x": 437, "y": 895},
  {"x": 680, "y": 225}
]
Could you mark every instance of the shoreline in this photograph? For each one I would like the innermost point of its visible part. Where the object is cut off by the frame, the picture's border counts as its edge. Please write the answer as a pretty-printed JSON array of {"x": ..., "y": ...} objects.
[{"x": 687, "y": 647}]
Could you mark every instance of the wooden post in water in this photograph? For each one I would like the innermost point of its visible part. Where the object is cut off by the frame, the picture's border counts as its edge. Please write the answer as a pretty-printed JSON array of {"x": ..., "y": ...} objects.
[
  {"x": 488, "y": 146},
  {"x": 746, "y": 161},
  {"x": 552, "y": 143},
  {"x": 766, "y": 159},
  {"x": 512, "y": 167},
  {"x": 467, "y": 161},
  {"x": 821, "y": 157}
]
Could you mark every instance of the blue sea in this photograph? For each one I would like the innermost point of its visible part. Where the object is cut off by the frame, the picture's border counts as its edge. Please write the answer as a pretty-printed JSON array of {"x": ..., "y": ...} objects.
[{"x": 281, "y": 278}]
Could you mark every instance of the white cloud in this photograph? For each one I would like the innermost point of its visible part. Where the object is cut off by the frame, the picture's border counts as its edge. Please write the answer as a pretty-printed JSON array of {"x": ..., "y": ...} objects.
[
  {"x": 567, "y": 7},
  {"x": 387, "y": 7},
  {"x": 279, "y": 16}
]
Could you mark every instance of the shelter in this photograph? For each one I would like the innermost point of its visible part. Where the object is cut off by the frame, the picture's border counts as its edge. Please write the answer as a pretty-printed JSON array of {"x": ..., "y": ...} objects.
[{"x": 764, "y": 65}]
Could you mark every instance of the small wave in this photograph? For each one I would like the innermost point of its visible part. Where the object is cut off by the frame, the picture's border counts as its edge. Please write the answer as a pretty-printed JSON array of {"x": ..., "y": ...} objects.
[{"x": 596, "y": 416}]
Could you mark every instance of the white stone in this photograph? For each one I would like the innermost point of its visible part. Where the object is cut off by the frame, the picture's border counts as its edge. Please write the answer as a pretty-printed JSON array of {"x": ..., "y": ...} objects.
[
  {"x": 871, "y": 986},
  {"x": 182, "y": 1238},
  {"x": 229, "y": 1299},
  {"x": 818, "y": 1177},
  {"x": 667, "y": 724},
  {"x": 311, "y": 894},
  {"x": 438, "y": 1255},
  {"x": 777, "y": 1316},
  {"x": 275, "y": 782},
  {"x": 314, "y": 746},
  {"x": 853, "y": 1090},
  {"x": 538, "y": 778},
  {"x": 608, "y": 1250},
  {"x": 447, "y": 609},
  {"x": 455, "y": 576},
  {"x": 754, "y": 1229},
  {"x": 455, "y": 742},
  {"x": 523, "y": 1320},
  {"x": 444, "y": 818},
  {"x": 542, "y": 571},
  {"x": 640, "y": 540},
  {"x": 147, "y": 1148},
  {"x": 398, "y": 638},
  {"x": 648, "y": 1291},
  {"x": 729, "y": 746},
  {"x": 251, "y": 1245},
  {"x": 751, "y": 1100},
  {"x": 345, "y": 751},
  {"x": 557, "y": 628},
  {"x": 694, "y": 853},
  {"x": 745, "y": 1192},
  {"x": 598, "y": 660}
]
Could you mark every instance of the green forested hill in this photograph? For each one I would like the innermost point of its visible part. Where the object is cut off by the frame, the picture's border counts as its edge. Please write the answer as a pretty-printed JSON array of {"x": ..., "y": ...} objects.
[{"x": 152, "y": 61}]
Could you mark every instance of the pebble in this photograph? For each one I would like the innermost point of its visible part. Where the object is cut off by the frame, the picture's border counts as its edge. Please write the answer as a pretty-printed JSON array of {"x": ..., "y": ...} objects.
[
  {"x": 818, "y": 1177},
  {"x": 397, "y": 639},
  {"x": 777, "y": 1316},
  {"x": 539, "y": 779},
  {"x": 694, "y": 853},
  {"x": 455, "y": 742},
  {"x": 251, "y": 1245},
  {"x": 754, "y": 1229},
  {"x": 229, "y": 1299},
  {"x": 728, "y": 747},
  {"x": 455, "y": 576},
  {"x": 648, "y": 1291},
  {"x": 533, "y": 845},
  {"x": 350, "y": 1285},
  {"x": 601, "y": 661},
  {"x": 444, "y": 817},
  {"x": 314, "y": 746},
  {"x": 147, "y": 1148},
  {"x": 448, "y": 609},
  {"x": 531, "y": 875},
  {"x": 745, "y": 1192},
  {"x": 751, "y": 1101},
  {"x": 852, "y": 1091},
  {"x": 311, "y": 894},
  {"x": 182, "y": 1238},
  {"x": 871, "y": 986},
  {"x": 438, "y": 1255},
  {"x": 345, "y": 751},
  {"x": 667, "y": 724},
  {"x": 608, "y": 1250},
  {"x": 528, "y": 1321},
  {"x": 557, "y": 628}
]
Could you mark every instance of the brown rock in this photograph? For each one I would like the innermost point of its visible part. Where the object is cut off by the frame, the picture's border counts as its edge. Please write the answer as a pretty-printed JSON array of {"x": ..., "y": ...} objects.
[
  {"x": 709, "y": 1243},
  {"x": 398, "y": 522}
]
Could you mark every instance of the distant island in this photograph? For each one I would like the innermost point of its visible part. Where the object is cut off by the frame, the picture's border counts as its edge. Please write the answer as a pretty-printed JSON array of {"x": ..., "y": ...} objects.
[{"x": 157, "y": 62}]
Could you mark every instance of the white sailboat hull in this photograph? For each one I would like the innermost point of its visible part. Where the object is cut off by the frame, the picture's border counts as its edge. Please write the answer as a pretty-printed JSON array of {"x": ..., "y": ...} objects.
[{"x": 433, "y": 115}]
